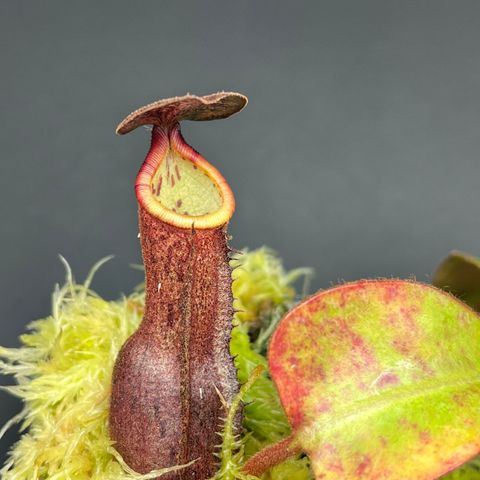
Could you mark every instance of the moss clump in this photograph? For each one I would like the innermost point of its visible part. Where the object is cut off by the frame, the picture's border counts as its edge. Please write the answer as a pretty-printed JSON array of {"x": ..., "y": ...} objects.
[{"x": 262, "y": 285}]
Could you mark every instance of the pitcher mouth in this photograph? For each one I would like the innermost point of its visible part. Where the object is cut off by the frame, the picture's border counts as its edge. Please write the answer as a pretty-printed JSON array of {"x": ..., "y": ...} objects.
[{"x": 178, "y": 186}]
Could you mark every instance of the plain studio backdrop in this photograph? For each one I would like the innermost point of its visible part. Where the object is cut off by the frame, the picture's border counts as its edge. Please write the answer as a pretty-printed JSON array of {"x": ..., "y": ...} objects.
[{"x": 357, "y": 154}]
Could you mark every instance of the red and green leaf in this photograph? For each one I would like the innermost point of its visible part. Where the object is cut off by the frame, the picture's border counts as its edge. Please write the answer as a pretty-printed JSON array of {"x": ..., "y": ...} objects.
[{"x": 380, "y": 380}]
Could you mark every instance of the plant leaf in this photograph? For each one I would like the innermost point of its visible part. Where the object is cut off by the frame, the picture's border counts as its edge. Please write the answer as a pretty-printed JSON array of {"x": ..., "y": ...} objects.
[
  {"x": 459, "y": 273},
  {"x": 381, "y": 380}
]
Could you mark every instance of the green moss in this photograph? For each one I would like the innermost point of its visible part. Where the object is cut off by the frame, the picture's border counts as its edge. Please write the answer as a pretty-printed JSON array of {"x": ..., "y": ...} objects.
[{"x": 261, "y": 284}]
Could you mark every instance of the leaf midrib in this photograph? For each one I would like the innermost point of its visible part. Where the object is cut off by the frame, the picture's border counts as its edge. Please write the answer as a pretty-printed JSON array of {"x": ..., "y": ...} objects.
[{"x": 365, "y": 407}]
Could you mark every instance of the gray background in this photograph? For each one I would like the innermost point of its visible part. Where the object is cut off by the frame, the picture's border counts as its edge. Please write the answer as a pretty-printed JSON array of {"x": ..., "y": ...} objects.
[{"x": 357, "y": 155}]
